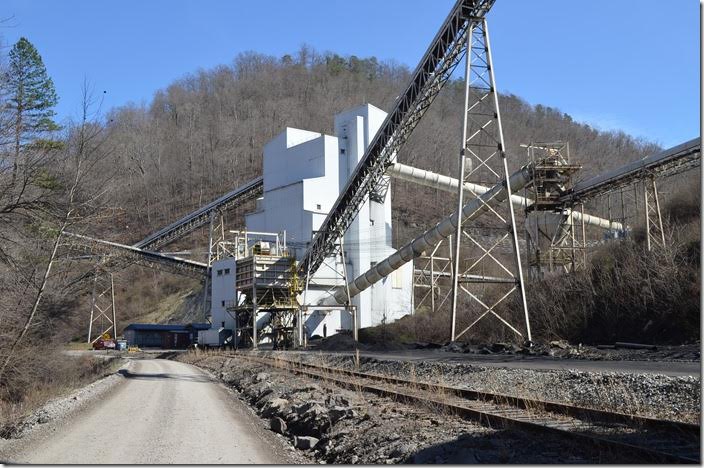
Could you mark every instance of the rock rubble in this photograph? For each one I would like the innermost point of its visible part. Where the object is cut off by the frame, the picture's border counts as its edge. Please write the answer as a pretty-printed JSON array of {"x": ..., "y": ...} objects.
[{"x": 334, "y": 425}]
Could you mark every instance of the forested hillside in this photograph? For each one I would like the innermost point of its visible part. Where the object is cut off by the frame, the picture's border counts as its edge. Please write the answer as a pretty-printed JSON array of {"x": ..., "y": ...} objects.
[{"x": 204, "y": 134}]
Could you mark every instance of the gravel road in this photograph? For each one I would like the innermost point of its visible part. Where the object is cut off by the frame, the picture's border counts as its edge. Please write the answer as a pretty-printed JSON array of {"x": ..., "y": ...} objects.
[{"x": 162, "y": 412}]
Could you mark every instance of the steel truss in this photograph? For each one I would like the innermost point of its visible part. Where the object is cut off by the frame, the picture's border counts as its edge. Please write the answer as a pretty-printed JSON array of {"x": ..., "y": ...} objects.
[
  {"x": 154, "y": 260},
  {"x": 655, "y": 234},
  {"x": 556, "y": 239},
  {"x": 102, "y": 306},
  {"x": 264, "y": 283},
  {"x": 620, "y": 188},
  {"x": 202, "y": 216},
  {"x": 428, "y": 271},
  {"x": 483, "y": 160},
  {"x": 675, "y": 160},
  {"x": 433, "y": 71}
]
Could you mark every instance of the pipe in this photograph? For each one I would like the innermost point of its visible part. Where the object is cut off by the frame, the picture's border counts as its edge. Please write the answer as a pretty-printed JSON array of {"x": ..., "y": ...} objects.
[
  {"x": 431, "y": 237},
  {"x": 449, "y": 184}
]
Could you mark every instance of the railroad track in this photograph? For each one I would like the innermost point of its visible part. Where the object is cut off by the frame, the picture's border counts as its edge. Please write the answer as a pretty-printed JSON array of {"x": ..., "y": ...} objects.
[{"x": 646, "y": 439}]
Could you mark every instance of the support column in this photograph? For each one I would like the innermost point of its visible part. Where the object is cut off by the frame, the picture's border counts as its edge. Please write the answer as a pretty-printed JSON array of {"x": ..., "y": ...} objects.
[
  {"x": 114, "y": 320},
  {"x": 655, "y": 233},
  {"x": 92, "y": 309},
  {"x": 347, "y": 287},
  {"x": 483, "y": 160}
]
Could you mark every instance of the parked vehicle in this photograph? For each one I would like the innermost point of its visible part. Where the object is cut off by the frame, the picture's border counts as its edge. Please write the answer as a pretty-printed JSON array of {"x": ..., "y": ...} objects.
[{"x": 102, "y": 343}]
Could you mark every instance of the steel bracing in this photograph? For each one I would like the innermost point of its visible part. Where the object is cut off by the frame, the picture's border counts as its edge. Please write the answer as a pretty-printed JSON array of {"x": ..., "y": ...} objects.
[
  {"x": 202, "y": 216},
  {"x": 555, "y": 234},
  {"x": 483, "y": 187},
  {"x": 483, "y": 160},
  {"x": 102, "y": 306},
  {"x": 672, "y": 161},
  {"x": 653, "y": 218},
  {"x": 433, "y": 71},
  {"x": 427, "y": 241}
]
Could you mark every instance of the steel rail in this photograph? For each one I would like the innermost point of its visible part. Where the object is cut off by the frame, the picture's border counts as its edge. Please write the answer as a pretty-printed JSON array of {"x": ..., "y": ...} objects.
[
  {"x": 489, "y": 415},
  {"x": 201, "y": 216},
  {"x": 675, "y": 160},
  {"x": 433, "y": 71}
]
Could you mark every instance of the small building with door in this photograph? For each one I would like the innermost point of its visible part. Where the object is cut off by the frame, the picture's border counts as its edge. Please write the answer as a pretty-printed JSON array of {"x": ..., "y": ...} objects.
[{"x": 164, "y": 336}]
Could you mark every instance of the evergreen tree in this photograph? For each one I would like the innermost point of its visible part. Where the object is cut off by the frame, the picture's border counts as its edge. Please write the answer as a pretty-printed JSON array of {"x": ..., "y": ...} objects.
[{"x": 31, "y": 97}]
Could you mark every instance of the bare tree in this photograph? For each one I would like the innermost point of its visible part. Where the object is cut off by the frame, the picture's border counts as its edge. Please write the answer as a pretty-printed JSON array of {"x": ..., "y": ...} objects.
[{"x": 83, "y": 151}]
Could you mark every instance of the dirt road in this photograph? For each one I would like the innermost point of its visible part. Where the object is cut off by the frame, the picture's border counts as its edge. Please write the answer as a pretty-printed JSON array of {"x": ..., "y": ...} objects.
[{"x": 163, "y": 412}]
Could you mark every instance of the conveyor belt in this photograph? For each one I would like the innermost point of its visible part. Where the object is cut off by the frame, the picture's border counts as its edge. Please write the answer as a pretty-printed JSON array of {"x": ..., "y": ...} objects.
[
  {"x": 145, "y": 258},
  {"x": 677, "y": 159},
  {"x": 445, "y": 52},
  {"x": 201, "y": 216}
]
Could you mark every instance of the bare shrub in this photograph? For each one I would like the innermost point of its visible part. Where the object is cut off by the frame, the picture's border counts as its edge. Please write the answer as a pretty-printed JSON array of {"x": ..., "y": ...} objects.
[{"x": 40, "y": 374}]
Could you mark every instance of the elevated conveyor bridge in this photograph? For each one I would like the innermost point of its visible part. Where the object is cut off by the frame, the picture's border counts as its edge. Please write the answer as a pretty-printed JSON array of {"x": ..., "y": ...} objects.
[
  {"x": 201, "y": 216},
  {"x": 444, "y": 53}
]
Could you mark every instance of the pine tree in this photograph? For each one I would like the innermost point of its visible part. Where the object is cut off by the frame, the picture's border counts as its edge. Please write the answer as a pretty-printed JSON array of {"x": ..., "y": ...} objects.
[{"x": 31, "y": 97}]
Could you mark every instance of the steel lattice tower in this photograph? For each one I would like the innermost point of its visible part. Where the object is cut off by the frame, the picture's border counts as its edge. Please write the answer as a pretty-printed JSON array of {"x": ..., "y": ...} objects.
[{"x": 483, "y": 160}]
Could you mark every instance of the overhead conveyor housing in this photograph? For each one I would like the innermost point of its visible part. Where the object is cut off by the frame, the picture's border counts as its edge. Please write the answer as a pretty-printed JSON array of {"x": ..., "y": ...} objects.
[
  {"x": 201, "y": 216},
  {"x": 430, "y": 238},
  {"x": 672, "y": 161},
  {"x": 450, "y": 184},
  {"x": 179, "y": 266},
  {"x": 435, "y": 68}
]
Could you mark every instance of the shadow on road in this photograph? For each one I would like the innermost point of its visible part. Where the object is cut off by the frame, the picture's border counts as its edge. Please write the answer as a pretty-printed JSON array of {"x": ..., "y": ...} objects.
[{"x": 151, "y": 376}]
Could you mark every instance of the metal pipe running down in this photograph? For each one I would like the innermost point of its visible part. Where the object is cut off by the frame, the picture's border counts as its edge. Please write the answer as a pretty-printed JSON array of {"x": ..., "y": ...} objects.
[
  {"x": 449, "y": 184},
  {"x": 431, "y": 237}
]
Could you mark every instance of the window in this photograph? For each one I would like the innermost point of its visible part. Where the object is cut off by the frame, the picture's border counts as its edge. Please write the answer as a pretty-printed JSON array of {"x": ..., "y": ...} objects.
[
  {"x": 223, "y": 303},
  {"x": 223, "y": 324},
  {"x": 227, "y": 271},
  {"x": 318, "y": 207},
  {"x": 342, "y": 150},
  {"x": 219, "y": 272}
]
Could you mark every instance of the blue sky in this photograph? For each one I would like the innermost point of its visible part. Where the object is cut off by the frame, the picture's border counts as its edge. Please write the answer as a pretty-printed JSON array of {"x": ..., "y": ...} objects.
[{"x": 616, "y": 64}]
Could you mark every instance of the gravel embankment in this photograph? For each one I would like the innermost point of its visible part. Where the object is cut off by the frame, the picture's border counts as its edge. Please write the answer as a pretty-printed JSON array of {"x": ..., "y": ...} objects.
[
  {"x": 335, "y": 425},
  {"x": 658, "y": 396}
]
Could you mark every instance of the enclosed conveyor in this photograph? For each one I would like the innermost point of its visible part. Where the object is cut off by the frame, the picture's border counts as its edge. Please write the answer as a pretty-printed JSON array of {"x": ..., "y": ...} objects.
[
  {"x": 450, "y": 184},
  {"x": 430, "y": 238}
]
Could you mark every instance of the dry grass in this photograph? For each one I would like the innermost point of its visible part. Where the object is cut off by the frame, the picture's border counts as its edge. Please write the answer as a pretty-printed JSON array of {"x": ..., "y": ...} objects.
[{"x": 51, "y": 375}]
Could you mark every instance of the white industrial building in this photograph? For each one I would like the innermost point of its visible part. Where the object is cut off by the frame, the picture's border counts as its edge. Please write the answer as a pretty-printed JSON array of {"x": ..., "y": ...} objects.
[{"x": 303, "y": 173}]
